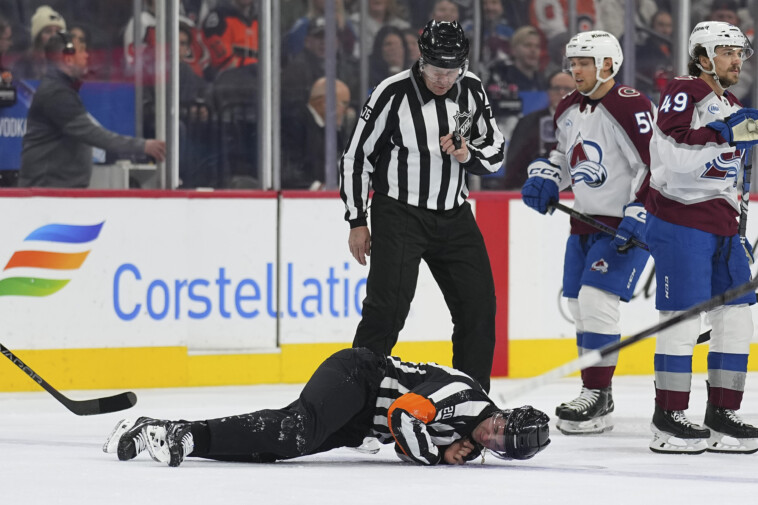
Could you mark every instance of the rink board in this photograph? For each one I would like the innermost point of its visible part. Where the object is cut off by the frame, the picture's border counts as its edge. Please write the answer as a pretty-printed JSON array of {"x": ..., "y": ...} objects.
[{"x": 186, "y": 289}]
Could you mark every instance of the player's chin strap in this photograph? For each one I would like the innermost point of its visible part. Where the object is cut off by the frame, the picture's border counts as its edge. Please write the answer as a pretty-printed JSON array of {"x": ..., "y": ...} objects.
[
  {"x": 600, "y": 81},
  {"x": 712, "y": 73},
  {"x": 744, "y": 200}
]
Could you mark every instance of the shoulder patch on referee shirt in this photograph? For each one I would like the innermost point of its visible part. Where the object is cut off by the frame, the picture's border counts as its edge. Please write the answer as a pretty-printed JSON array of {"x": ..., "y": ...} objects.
[
  {"x": 488, "y": 112},
  {"x": 366, "y": 112}
]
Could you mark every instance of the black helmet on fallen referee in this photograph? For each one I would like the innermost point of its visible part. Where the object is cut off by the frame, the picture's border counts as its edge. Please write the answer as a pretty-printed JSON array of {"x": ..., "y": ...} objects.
[
  {"x": 518, "y": 433},
  {"x": 443, "y": 44}
]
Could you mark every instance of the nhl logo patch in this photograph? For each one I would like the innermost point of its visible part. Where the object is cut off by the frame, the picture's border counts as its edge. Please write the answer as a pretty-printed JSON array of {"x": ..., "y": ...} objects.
[
  {"x": 463, "y": 123},
  {"x": 600, "y": 266}
]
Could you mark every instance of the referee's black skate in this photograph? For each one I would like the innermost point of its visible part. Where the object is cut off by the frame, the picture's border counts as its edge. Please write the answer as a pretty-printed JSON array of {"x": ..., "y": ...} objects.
[
  {"x": 729, "y": 433},
  {"x": 170, "y": 441},
  {"x": 128, "y": 438},
  {"x": 673, "y": 433},
  {"x": 586, "y": 414}
]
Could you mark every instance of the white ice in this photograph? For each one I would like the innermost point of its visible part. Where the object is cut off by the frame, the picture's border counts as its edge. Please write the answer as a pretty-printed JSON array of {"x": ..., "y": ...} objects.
[{"x": 50, "y": 456}]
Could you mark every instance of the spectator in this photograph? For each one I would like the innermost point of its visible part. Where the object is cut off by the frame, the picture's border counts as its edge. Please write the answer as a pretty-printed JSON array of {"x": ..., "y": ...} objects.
[
  {"x": 495, "y": 35},
  {"x": 191, "y": 50},
  {"x": 389, "y": 55},
  {"x": 147, "y": 23},
  {"x": 57, "y": 146},
  {"x": 303, "y": 139},
  {"x": 420, "y": 11},
  {"x": 294, "y": 41},
  {"x": 230, "y": 32},
  {"x": 196, "y": 10},
  {"x": 534, "y": 135},
  {"x": 380, "y": 13},
  {"x": 45, "y": 23},
  {"x": 551, "y": 18},
  {"x": 6, "y": 41},
  {"x": 655, "y": 65},
  {"x": 308, "y": 66},
  {"x": 524, "y": 73},
  {"x": 610, "y": 14},
  {"x": 726, "y": 11},
  {"x": 445, "y": 10},
  {"x": 411, "y": 43}
]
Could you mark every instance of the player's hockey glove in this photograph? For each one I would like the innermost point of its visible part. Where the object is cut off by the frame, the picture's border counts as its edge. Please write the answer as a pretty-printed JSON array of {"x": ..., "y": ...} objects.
[
  {"x": 631, "y": 227},
  {"x": 541, "y": 188},
  {"x": 739, "y": 129}
]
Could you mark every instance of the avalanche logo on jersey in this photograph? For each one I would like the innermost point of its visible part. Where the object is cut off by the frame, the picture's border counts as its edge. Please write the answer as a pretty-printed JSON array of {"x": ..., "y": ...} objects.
[
  {"x": 600, "y": 266},
  {"x": 725, "y": 166},
  {"x": 463, "y": 123},
  {"x": 586, "y": 163}
]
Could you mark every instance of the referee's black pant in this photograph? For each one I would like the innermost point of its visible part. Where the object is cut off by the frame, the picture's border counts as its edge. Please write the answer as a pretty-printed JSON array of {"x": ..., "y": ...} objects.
[
  {"x": 335, "y": 409},
  {"x": 452, "y": 246}
]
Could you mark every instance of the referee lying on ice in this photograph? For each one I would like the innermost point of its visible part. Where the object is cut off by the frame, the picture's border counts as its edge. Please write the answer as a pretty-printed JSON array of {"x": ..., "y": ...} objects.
[{"x": 433, "y": 414}]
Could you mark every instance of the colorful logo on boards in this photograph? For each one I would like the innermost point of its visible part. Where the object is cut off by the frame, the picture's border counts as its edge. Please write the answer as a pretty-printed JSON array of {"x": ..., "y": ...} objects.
[{"x": 54, "y": 236}]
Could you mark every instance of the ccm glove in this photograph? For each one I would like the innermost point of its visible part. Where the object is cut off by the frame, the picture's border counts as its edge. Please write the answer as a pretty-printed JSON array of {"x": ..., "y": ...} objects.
[
  {"x": 538, "y": 193},
  {"x": 740, "y": 129},
  {"x": 541, "y": 188},
  {"x": 632, "y": 226}
]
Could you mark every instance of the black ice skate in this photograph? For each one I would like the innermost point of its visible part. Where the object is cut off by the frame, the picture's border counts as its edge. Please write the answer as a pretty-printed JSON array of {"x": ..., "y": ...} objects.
[
  {"x": 169, "y": 441},
  {"x": 673, "y": 433},
  {"x": 127, "y": 439},
  {"x": 729, "y": 433},
  {"x": 588, "y": 413}
]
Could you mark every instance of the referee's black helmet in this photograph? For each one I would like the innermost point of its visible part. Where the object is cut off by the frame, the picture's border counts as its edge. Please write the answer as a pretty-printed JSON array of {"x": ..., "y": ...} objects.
[{"x": 443, "y": 44}]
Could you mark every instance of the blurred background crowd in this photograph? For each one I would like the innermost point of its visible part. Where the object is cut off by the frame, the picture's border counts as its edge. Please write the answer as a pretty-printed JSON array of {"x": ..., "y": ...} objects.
[{"x": 519, "y": 58}]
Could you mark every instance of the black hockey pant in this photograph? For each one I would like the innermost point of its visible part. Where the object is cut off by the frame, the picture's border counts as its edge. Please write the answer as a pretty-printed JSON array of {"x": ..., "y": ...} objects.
[
  {"x": 452, "y": 246},
  {"x": 335, "y": 409}
]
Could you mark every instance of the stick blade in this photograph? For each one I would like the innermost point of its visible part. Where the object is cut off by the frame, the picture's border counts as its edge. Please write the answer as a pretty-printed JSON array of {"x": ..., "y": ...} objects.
[{"x": 115, "y": 403}]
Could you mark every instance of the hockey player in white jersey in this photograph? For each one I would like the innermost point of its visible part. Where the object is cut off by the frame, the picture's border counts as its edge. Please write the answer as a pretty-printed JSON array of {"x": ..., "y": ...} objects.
[
  {"x": 701, "y": 134},
  {"x": 603, "y": 131}
]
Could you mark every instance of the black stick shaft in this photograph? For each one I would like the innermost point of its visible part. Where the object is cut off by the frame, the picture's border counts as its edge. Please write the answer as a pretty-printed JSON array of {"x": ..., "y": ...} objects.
[
  {"x": 94, "y": 406},
  {"x": 594, "y": 223},
  {"x": 594, "y": 357}
]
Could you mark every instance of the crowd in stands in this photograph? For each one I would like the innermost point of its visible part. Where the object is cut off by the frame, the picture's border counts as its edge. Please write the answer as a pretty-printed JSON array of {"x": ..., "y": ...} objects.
[{"x": 520, "y": 50}]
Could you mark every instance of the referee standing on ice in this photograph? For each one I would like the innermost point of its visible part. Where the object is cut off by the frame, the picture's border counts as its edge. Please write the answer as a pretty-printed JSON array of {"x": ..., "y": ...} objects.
[{"x": 419, "y": 133}]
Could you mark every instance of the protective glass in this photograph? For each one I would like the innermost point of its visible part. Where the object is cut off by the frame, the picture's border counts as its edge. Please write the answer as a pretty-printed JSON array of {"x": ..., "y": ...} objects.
[
  {"x": 576, "y": 61},
  {"x": 496, "y": 435},
  {"x": 441, "y": 76},
  {"x": 743, "y": 52}
]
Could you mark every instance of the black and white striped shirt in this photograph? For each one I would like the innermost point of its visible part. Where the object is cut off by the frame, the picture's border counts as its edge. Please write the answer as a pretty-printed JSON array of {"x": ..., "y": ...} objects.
[
  {"x": 396, "y": 144},
  {"x": 424, "y": 406}
]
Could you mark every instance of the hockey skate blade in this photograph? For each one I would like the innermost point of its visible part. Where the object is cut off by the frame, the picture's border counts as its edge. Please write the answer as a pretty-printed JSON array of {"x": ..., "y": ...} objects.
[
  {"x": 111, "y": 443},
  {"x": 665, "y": 443},
  {"x": 593, "y": 426},
  {"x": 721, "y": 442}
]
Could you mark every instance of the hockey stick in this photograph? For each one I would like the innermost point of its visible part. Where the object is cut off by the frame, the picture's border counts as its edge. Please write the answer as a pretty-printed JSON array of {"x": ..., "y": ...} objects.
[
  {"x": 594, "y": 223},
  {"x": 594, "y": 357},
  {"x": 121, "y": 401},
  {"x": 703, "y": 337}
]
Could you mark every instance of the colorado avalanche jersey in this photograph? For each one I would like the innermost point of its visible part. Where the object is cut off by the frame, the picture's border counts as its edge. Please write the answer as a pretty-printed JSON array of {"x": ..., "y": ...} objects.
[
  {"x": 603, "y": 151},
  {"x": 694, "y": 171}
]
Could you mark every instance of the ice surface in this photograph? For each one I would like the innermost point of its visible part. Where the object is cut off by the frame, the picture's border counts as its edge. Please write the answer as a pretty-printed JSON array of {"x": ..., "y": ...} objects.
[{"x": 49, "y": 456}]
